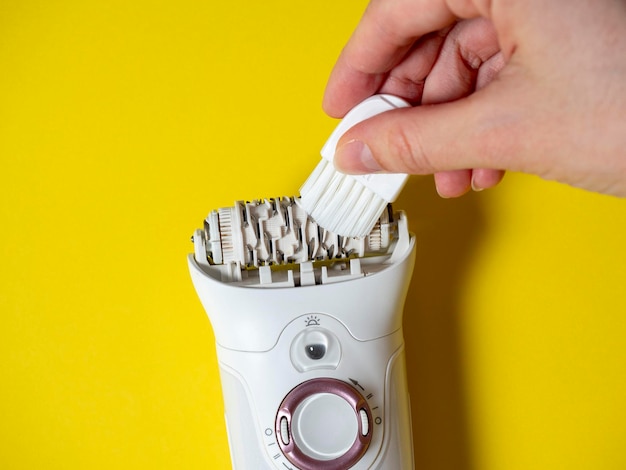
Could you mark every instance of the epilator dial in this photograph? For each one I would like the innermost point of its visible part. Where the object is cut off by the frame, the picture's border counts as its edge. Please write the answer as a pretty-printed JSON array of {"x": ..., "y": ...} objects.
[{"x": 324, "y": 424}]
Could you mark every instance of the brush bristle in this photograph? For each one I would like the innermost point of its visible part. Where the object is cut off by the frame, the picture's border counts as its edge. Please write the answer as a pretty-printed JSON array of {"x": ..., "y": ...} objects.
[{"x": 339, "y": 203}]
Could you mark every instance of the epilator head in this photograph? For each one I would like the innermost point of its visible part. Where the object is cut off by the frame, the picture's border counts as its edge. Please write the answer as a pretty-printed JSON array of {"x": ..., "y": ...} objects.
[{"x": 274, "y": 243}]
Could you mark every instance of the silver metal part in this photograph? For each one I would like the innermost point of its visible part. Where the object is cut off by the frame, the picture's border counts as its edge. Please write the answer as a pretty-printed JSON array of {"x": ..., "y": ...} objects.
[{"x": 262, "y": 239}]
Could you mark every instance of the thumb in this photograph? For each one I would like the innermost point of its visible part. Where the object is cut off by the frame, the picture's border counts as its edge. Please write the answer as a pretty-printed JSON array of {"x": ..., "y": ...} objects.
[{"x": 474, "y": 132}]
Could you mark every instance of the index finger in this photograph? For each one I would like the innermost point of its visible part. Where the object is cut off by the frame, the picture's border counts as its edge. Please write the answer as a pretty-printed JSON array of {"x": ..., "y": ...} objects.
[{"x": 385, "y": 33}]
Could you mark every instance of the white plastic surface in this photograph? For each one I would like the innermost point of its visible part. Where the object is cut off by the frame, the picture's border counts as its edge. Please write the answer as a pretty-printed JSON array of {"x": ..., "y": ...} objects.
[
  {"x": 365, "y": 423},
  {"x": 251, "y": 319},
  {"x": 324, "y": 426},
  {"x": 398, "y": 451}
]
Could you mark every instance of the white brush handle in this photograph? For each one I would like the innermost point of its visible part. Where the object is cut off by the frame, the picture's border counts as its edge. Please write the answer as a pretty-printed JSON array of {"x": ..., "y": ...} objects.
[{"x": 386, "y": 185}]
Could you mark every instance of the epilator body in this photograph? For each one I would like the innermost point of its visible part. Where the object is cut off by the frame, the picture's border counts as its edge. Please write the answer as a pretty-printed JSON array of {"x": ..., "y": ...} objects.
[{"x": 308, "y": 328}]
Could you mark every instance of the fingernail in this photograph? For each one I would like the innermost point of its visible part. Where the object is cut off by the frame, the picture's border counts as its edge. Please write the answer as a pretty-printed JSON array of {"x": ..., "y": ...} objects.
[
  {"x": 475, "y": 186},
  {"x": 355, "y": 157}
]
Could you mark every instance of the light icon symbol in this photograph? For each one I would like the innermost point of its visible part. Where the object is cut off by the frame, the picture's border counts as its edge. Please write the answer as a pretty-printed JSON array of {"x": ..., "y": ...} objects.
[{"x": 312, "y": 320}]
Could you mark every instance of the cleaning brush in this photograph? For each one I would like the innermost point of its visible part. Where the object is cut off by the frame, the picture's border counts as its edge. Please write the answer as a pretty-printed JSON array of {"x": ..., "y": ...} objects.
[{"x": 350, "y": 205}]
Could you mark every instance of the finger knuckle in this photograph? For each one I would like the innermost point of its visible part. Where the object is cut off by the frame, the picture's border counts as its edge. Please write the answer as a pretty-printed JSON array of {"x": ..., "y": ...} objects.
[{"x": 408, "y": 151}]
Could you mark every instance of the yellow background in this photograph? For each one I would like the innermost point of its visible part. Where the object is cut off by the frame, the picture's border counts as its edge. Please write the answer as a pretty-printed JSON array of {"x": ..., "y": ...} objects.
[{"x": 122, "y": 123}]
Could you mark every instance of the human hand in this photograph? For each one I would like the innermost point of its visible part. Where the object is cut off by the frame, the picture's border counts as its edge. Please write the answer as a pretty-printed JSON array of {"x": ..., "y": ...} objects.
[{"x": 531, "y": 86}]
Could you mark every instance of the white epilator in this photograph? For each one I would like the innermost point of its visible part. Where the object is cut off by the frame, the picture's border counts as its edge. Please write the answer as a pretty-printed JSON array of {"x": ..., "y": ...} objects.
[{"x": 308, "y": 327}]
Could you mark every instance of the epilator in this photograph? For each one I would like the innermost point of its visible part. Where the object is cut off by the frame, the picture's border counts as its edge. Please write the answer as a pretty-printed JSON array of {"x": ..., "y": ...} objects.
[{"x": 308, "y": 326}]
